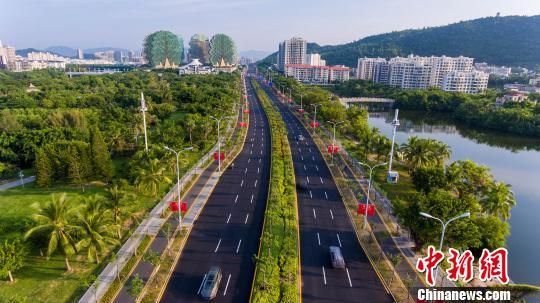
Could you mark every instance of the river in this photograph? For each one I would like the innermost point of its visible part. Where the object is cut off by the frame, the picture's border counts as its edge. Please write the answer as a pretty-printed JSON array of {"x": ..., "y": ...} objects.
[{"x": 514, "y": 160}]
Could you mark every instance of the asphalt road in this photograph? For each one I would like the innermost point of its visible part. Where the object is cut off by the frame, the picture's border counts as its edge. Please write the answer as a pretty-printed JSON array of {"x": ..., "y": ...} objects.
[
  {"x": 227, "y": 232},
  {"x": 324, "y": 222}
]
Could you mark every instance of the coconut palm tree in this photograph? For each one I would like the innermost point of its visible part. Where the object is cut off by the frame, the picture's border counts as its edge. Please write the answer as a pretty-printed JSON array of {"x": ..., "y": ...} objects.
[
  {"x": 55, "y": 219},
  {"x": 150, "y": 176},
  {"x": 96, "y": 234},
  {"x": 418, "y": 152},
  {"x": 499, "y": 200},
  {"x": 190, "y": 124}
]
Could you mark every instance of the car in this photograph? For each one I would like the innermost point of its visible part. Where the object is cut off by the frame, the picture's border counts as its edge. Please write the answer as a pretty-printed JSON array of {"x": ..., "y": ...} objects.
[
  {"x": 301, "y": 138},
  {"x": 210, "y": 283},
  {"x": 336, "y": 258}
]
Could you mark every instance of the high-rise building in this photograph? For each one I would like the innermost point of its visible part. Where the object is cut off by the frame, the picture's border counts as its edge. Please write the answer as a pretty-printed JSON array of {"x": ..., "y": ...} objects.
[
  {"x": 366, "y": 67},
  {"x": 317, "y": 74},
  {"x": 199, "y": 48},
  {"x": 119, "y": 56},
  {"x": 471, "y": 82},
  {"x": 315, "y": 59},
  {"x": 80, "y": 54},
  {"x": 292, "y": 51},
  {"x": 7, "y": 57},
  {"x": 414, "y": 72}
]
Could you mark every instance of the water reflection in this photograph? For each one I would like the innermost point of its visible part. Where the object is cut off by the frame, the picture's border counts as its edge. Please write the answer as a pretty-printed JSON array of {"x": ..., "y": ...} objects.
[{"x": 512, "y": 159}]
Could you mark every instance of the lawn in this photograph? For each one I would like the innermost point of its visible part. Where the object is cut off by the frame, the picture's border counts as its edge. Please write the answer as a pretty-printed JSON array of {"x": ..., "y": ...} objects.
[{"x": 45, "y": 280}]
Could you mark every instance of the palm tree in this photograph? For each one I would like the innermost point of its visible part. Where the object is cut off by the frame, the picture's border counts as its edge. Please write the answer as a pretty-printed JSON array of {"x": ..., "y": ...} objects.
[
  {"x": 116, "y": 200},
  {"x": 55, "y": 220},
  {"x": 151, "y": 176},
  {"x": 96, "y": 226},
  {"x": 190, "y": 125},
  {"x": 499, "y": 200},
  {"x": 419, "y": 152}
]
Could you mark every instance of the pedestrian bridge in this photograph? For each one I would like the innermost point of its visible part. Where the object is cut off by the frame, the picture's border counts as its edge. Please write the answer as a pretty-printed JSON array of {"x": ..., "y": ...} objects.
[{"x": 369, "y": 102}]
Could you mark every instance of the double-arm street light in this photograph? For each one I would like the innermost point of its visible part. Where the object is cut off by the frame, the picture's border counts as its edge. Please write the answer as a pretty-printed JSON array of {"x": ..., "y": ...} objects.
[
  {"x": 444, "y": 225},
  {"x": 178, "y": 185},
  {"x": 371, "y": 168},
  {"x": 219, "y": 140},
  {"x": 315, "y": 115},
  {"x": 334, "y": 137}
]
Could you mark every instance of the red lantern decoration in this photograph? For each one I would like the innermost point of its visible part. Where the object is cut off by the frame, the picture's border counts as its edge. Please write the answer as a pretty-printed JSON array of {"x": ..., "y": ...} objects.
[
  {"x": 362, "y": 209},
  {"x": 314, "y": 124},
  {"x": 301, "y": 110},
  {"x": 333, "y": 149},
  {"x": 220, "y": 156},
  {"x": 246, "y": 111},
  {"x": 173, "y": 206},
  {"x": 245, "y": 97},
  {"x": 183, "y": 207},
  {"x": 290, "y": 100},
  {"x": 242, "y": 124}
]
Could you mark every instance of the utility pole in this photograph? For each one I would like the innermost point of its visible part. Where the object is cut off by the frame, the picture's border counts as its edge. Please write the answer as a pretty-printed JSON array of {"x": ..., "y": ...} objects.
[
  {"x": 178, "y": 188},
  {"x": 144, "y": 109},
  {"x": 395, "y": 124}
]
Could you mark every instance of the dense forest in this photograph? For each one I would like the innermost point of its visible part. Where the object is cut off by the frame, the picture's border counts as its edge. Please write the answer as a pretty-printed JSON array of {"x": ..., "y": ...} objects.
[
  {"x": 509, "y": 41},
  {"x": 477, "y": 110}
]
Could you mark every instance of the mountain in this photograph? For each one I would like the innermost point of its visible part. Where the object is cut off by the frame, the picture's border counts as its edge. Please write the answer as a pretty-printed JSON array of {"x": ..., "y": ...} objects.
[
  {"x": 62, "y": 51},
  {"x": 254, "y": 54},
  {"x": 510, "y": 40}
]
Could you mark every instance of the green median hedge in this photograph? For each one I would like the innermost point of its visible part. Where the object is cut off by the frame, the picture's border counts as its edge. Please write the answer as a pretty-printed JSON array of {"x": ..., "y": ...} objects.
[{"x": 277, "y": 265}]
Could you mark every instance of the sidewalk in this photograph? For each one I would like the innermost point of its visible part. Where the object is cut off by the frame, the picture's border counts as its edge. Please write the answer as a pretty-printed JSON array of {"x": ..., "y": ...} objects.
[{"x": 17, "y": 183}]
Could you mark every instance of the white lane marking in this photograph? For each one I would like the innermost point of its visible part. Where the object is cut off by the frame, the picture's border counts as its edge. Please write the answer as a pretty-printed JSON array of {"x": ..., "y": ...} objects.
[
  {"x": 324, "y": 275},
  {"x": 251, "y": 145},
  {"x": 339, "y": 240},
  {"x": 242, "y": 184},
  {"x": 256, "y": 183},
  {"x": 332, "y": 214},
  {"x": 307, "y": 179},
  {"x": 247, "y": 216},
  {"x": 229, "y": 218},
  {"x": 245, "y": 171},
  {"x": 261, "y": 151},
  {"x": 310, "y": 150},
  {"x": 348, "y": 276},
  {"x": 305, "y": 167},
  {"x": 226, "y": 286},
  {"x": 314, "y": 214},
  {"x": 313, "y": 157},
  {"x": 249, "y": 160},
  {"x": 302, "y": 157},
  {"x": 326, "y": 195},
  {"x": 260, "y": 160},
  {"x": 317, "y": 167},
  {"x": 311, "y": 195},
  {"x": 251, "y": 200},
  {"x": 238, "y": 247},
  {"x": 251, "y": 152},
  {"x": 202, "y": 282},
  {"x": 321, "y": 180},
  {"x": 299, "y": 150},
  {"x": 217, "y": 247},
  {"x": 236, "y": 199},
  {"x": 319, "y": 239},
  {"x": 258, "y": 170}
]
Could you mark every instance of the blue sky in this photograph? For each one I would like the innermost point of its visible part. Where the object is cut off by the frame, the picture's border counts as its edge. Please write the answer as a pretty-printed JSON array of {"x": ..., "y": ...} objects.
[{"x": 253, "y": 24}]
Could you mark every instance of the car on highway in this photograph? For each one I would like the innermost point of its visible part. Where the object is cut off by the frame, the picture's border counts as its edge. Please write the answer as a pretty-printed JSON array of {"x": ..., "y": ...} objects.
[
  {"x": 336, "y": 258},
  {"x": 211, "y": 283},
  {"x": 301, "y": 138}
]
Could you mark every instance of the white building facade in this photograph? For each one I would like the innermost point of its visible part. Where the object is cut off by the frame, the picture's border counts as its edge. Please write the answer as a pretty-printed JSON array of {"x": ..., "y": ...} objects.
[
  {"x": 292, "y": 51},
  {"x": 317, "y": 74}
]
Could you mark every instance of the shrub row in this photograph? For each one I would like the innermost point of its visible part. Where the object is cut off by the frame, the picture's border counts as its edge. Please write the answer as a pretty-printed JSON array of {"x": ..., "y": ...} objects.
[{"x": 277, "y": 264}]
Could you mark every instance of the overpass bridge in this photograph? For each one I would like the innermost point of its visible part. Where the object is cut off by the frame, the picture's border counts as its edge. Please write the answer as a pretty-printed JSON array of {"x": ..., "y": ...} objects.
[{"x": 371, "y": 103}]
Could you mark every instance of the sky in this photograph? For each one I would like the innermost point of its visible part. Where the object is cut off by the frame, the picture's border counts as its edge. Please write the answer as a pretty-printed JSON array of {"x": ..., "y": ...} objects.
[{"x": 253, "y": 24}]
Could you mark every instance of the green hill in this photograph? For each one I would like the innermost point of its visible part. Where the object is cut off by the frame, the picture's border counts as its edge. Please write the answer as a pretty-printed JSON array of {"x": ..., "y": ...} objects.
[{"x": 510, "y": 41}]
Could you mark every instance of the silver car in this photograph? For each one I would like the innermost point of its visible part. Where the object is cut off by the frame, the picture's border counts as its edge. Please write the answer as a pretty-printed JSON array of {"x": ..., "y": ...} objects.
[
  {"x": 211, "y": 283},
  {"x": 336, "y": 258}
]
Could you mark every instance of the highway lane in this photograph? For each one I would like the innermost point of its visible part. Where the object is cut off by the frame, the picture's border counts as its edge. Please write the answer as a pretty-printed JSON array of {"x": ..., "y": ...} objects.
[
  {"x": 228, "y": 229},
  {"x": 324, "y": 222}
]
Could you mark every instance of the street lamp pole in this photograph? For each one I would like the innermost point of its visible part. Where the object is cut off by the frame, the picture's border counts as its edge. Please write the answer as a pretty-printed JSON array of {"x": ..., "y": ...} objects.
[
  {"x": 143, "y": 110},
  {"x": 315, "y": 115},
  {"x": 179, "y": 190},
  {"x": 444, "y": 225},
  {"x": 219, "y": 140},
  {"x": 334, "y": 137},
  {"x": 371, "y": 168}
]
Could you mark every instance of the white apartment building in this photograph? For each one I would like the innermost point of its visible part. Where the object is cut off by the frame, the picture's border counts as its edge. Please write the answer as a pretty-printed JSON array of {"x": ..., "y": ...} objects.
[
  {"x": 415, "y": 72},
  {"x": 468, "y": 82},
  {"x": 317, "y": 74},
  {"x": 315, "y": 59},
  {"x": 499, "y": 71},
  {"x": 292, "y": 51},
  {"x": 7, "y": 57},
  {"x": 366, "y": 67}
]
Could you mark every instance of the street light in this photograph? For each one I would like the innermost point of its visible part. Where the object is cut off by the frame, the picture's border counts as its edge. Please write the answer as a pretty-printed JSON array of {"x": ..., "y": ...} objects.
[
  {"x": 178, "y": 179},
  {"x": 290, "y": 93},
  {"x": 371, "y": 168},
  {"x": 315, "y": 115},
  {"x": 444, "y": 224},
  {"x": 334, "y": 138},
  {"x": 219, "y": 140}
]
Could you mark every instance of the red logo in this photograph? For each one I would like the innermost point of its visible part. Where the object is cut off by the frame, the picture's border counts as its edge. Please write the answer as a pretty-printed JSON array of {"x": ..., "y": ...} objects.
[
  {"x": 494, "y": 265},
  {"x": 430, "y": 263},
  {"x": 460, "y": 265}
]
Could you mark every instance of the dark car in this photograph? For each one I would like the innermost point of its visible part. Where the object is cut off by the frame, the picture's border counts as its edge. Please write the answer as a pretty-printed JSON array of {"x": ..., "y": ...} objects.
[
  {"x": 336, "y": 258},
  {"x": 211, "y": 283}
]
